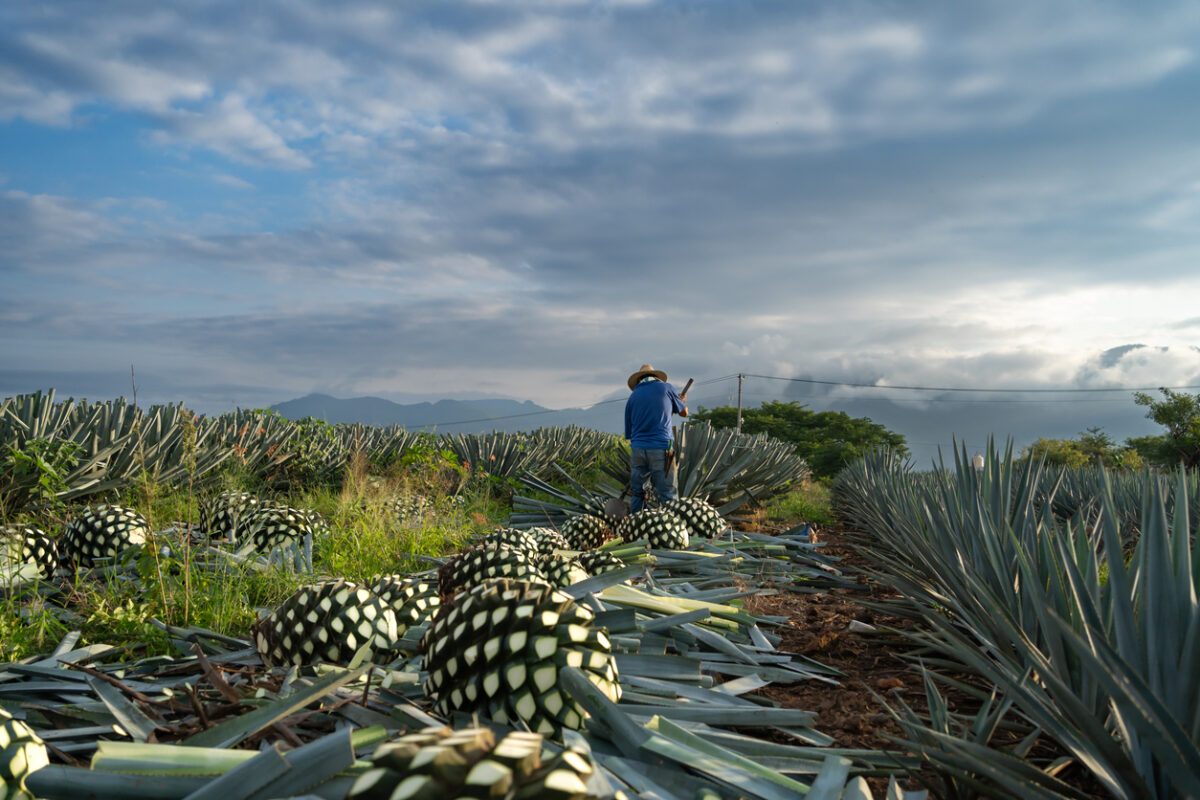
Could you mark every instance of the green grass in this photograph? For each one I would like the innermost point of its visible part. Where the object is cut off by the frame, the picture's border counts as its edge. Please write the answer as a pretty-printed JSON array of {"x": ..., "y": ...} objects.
[
  {"x": 364, "y": 540},
  {"x": 808, "y": 503}
]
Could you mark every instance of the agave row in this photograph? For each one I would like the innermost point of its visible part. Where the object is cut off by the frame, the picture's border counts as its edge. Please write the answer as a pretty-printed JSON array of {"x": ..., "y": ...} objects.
[{"x": 1083, "y": 632}]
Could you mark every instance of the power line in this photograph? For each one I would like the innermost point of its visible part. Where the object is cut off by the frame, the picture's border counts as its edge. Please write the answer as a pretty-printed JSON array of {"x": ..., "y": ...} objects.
[{"x": 962, "y": 389}]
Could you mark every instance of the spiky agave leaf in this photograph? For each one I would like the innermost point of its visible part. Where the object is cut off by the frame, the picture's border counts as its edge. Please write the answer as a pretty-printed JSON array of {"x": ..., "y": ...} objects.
[
  {"x": 562, "y": 570},
  {"x": 485, "y": 561},
  {"x": 702, "y": 519},
  {"x": 414, "y": 600},
  {"x": 103, "y": 531},
  {"x": 661, "y": 528},
  {"x": 441, "y": 763},
  {"x": 22, "y": 752},
  {"x": 23, "y": 544},
  {"x": 498, "y": 648},
  {"x": 328, "y": 621},
  {"x": 227, "y": 514},
  {"x": 586, "y": 531}
]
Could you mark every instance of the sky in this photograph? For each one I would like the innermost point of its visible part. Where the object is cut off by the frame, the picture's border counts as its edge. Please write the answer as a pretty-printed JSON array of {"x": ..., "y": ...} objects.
[{"x": 248, "y": 202}]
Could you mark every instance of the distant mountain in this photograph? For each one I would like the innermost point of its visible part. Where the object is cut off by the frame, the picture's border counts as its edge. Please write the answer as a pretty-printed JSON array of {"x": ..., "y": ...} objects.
[{"x": 451, "y": 416}]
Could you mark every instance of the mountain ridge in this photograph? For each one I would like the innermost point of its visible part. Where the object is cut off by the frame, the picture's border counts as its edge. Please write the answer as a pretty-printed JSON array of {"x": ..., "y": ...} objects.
[{"x": 447, "y": 415}]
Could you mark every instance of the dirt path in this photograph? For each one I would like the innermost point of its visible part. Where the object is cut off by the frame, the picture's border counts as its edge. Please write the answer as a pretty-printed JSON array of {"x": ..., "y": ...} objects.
[{"x": 873, "y": 664}]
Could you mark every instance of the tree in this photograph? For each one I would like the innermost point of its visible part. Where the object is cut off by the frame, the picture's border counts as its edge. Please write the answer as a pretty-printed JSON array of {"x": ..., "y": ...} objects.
[
  {"x": 1179, "y": 413},
  {"x": 828, "y": 440},
  {"x": 1093, "y": 447}
]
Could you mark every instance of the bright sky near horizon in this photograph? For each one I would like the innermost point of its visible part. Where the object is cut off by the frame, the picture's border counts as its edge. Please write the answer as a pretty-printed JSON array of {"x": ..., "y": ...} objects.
[{"x": 250, "y": 201}]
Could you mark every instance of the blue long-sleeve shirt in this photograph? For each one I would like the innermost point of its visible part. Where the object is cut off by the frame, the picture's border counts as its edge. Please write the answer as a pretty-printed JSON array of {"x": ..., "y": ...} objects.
[{"x": 648, "y": 414}]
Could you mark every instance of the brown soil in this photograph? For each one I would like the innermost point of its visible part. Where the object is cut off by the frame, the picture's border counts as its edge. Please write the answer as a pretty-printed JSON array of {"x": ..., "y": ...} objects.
[
  {"x": 817, "y": 627},
  {"x": 872, "y": 663}
]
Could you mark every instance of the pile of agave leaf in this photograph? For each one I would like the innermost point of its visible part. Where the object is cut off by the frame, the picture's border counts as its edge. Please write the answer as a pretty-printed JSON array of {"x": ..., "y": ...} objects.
[{"x": 213, "y": 721}]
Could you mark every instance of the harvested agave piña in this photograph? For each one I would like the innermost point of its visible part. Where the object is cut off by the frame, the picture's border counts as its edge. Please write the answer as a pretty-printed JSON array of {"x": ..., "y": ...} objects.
[
  {"x": 326, "y": 622},
  {"x": 272, "y": 527},
  {"x": 485, "y": 561},
  {"x": 441, "y": 763},
  {"x": 548, "y": 540},
  {"x": 562, "y": 570},
  {"x": 414, "y": 600},
  {"x": 586, "y": 531},
  {"x": 661, "y": 528},
  {"x": 511, "y": 537},
  {"x": 408, "y": 507},
  {"x": 702, "y": 519},
  {"x": 23, "y": 544},
  {"x": 596, "y": 507},
  {"x": 498, "y": 648},
  {"x": 596, "y": 562},
  {"x": 227, "y": 514},
  {"x": 103, "y": 532},
  {"x": 22, "y": 752}
]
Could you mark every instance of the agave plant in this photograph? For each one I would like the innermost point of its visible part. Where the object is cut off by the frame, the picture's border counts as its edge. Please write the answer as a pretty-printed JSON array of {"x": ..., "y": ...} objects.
[
  {"x": 502, "y": 455},
  {"x": 80, "y": 449},
  {"x": 1016, "y": 595}
]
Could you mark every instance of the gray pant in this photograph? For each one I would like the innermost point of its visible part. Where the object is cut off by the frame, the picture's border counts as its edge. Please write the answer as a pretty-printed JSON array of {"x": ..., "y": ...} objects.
[{"x": 652, "y": 463}]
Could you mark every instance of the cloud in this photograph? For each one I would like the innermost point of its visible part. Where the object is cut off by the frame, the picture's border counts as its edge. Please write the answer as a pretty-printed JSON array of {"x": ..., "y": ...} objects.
[
  {"x": 481, "y": 195},
  {"x": 234, "y": 130}
]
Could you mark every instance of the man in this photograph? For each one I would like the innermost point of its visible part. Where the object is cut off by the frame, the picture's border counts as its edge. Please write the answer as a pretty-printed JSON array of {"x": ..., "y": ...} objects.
[{"x": 648, "y": 428}]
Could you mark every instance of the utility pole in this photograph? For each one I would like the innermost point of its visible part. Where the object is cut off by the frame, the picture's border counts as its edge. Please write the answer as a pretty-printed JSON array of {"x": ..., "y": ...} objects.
[{"x": 741, "y": 377}]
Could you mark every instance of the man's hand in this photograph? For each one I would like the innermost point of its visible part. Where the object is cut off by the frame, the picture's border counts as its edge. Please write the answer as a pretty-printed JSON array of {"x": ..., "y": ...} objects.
[{"x": 683, "y": 397}]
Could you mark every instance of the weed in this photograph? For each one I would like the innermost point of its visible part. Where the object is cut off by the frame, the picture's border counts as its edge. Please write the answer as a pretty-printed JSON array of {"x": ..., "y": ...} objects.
[{"x": 808, "y": 502}]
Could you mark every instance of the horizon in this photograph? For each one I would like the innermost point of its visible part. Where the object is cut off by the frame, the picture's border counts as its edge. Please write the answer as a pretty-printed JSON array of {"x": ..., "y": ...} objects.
[{"x": 926, "y": 434}]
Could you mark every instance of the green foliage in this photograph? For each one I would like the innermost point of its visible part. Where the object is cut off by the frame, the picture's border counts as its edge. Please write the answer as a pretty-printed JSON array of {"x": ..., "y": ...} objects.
[
  {"x": 1154, "y": 450},
  {"x": 28, "y": 626},
  {"x": 428, "y": 468},
  {"x": 315, "y": 457},
  {"x": 809, "y": 502},
  {"x": 1093, "y": 448},
  {"x": 827, "y": 440},
  {"x": 1179, "y": 413},
  {"x": 33, "y": 472}
]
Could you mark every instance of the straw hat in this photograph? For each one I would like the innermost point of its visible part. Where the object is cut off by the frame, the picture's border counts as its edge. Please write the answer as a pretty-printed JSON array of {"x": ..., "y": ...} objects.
[{"x": 645, "y": 370}]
